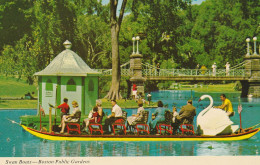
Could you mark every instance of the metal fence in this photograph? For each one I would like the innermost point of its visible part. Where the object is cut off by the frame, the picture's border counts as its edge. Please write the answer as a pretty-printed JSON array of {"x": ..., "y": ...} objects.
[
  {"x": 193, "y": 72},
  {"x": 181, "y": 72}
]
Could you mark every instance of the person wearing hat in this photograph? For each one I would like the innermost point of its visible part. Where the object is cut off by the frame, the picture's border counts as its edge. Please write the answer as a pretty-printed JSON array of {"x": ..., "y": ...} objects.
[
  {"x": 187, "y": 113},
  {"x": 227, "y": 68},
  {"x": 214, "y": 69}
]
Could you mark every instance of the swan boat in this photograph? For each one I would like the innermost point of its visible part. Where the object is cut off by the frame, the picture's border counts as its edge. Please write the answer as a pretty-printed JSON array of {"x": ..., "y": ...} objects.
[
  {"x": 213, "y": 128},
  {"x": 68, "y": 137}
]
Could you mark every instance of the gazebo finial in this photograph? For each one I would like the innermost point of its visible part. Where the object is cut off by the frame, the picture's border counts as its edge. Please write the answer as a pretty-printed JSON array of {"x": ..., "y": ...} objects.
[{"x": 67, "y": 44}]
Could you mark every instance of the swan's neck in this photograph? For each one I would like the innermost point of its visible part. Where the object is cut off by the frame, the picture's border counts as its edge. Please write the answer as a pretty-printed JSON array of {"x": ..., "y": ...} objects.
[{"x": 209, "y": 107}]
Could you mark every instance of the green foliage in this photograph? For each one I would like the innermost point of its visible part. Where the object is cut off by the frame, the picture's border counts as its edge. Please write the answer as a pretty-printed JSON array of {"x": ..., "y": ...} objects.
[
  {"x": 14, "y": 21},
  {"x": 222, "y": 26},
  {"x": 173, "y": 32},
  {"x": 104, "y": 86}
]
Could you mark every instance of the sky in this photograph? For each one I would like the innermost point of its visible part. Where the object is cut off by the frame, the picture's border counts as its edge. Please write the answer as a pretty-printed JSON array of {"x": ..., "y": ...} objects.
[{"x": 197, "y": 1}]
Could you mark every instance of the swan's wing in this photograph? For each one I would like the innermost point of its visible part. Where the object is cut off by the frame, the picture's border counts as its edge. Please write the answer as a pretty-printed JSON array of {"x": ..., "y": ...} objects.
[{"x": 214, "y": 121}]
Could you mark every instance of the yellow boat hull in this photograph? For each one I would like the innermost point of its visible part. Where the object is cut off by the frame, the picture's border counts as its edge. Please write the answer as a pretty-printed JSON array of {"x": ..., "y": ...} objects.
[{"x": 61, "y": 137}]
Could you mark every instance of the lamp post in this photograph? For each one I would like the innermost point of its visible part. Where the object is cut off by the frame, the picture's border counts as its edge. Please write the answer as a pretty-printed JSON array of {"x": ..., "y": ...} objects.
[
  {"x": 254, "y": 39},
  {"x": 248, "y": 40},
  {"x": 133, "y": 45},
  {"x": 137, "y": 39}
]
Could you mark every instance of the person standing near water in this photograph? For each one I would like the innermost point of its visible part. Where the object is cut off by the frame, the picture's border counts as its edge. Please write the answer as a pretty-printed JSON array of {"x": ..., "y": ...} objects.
[
  {"x": 134, "y": 92},
  {"x": 149, "y": 97}
]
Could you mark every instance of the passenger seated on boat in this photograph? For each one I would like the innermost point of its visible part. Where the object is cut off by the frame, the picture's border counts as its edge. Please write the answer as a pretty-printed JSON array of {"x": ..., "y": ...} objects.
[
  {"x": 175, "y": 123},
  {"x": 141, "y": 126},
  {"x": 187, "y": 113},
  {"x": 72, "y": 117},
  {"x": 100, "y": 109},
  {"x": 95, "y": 118},
  {"x": 116, "y": 114},
  {"x": 136, "y": 117},
  {"x": 159, "y": 116},
  {"x": 100, "y": 112}
]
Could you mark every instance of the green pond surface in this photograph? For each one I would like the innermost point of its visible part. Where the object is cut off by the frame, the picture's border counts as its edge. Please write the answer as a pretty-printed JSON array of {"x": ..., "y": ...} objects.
[{"x": 15, "y": 142}]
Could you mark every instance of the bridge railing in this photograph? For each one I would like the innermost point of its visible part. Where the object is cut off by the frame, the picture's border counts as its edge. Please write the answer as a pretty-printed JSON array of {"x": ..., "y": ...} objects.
[
  {"x": 180, "y": 72},
  {"x": 192, "y": 72},
  {"x": 108, "y": 72}
]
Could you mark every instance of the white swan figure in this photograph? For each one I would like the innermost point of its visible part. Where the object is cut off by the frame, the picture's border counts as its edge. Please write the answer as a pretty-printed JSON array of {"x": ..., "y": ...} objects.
[{"x": 214, "y": 121}]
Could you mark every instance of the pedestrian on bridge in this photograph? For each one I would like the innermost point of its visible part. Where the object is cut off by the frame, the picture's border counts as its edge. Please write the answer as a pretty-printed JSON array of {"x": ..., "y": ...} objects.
[
  {"x": 158, "y": 68},
  {"x": 227, "y": 68},
  {"x": 197, "y": 69},
  {"x": 214, "y": 69},
  {"x": 203, "y": 69}
]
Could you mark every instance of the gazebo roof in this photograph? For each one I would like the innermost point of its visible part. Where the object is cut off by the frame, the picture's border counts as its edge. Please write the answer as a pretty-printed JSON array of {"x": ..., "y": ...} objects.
[{"x": 67, "y": 63}]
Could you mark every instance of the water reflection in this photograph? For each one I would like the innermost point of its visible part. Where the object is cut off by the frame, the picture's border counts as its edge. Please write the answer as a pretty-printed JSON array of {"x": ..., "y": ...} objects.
[
  {"x": 99, "y": 149},
  {"x": 218, "y": 148},
  {"x": 77, "y": 149}
]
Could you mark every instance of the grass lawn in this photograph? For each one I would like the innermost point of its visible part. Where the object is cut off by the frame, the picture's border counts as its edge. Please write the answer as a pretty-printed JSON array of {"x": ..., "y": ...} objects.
[
  {"x": 17, "y": 104},
  {"x": 227, "y": 88},
  {"x": 10, "y": 87}
]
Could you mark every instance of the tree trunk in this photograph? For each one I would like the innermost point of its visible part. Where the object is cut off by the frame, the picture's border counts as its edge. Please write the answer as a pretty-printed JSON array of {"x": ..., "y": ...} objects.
[{"x": 114, "y": 92}]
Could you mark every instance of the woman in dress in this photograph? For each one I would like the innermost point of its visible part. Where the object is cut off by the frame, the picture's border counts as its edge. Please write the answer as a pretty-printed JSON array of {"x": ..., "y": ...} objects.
[
  {"x": 71, "y": 117},
  {"x": 136, "y": 117}
]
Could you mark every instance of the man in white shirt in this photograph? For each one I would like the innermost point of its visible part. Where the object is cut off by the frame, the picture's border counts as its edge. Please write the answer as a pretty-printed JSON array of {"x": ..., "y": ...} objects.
[{"x": 116, "y": 114}]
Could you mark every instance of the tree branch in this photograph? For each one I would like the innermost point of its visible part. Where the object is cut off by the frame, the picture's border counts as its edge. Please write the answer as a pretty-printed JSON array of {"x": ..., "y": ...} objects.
[
  {"x": 113, "y": 8},
  {"x": 122, "y": 12}
]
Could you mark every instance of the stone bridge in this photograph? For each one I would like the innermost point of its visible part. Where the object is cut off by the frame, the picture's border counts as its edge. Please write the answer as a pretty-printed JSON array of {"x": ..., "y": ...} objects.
[{"x": 247, "y": 72}]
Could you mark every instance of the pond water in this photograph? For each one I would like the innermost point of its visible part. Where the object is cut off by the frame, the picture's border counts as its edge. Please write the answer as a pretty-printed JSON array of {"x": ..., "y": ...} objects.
[{"x": 15, "y": 142}]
